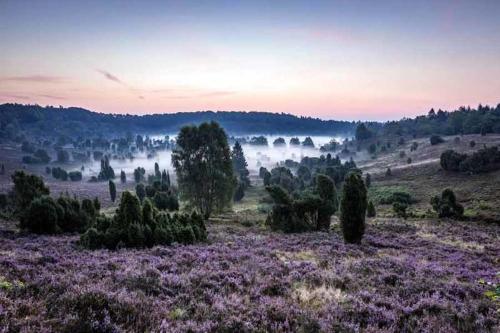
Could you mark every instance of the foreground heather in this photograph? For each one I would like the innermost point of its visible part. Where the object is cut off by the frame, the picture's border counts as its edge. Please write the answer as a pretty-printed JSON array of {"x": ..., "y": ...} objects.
[{"x": 415, "y": 276}]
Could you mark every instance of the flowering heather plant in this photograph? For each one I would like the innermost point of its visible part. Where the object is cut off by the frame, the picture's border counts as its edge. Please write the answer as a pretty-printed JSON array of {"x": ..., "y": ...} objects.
[{"x": 403, "y": 277}]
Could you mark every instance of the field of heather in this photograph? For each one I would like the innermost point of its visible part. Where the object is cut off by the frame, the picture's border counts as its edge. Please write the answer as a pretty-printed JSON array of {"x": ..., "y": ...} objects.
[{"x": 405, "y": 276}]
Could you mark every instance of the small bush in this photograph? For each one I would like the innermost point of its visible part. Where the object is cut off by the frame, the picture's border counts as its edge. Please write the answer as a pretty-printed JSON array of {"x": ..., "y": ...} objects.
[
  {"x": 75, "y": 176},
  {"x": 370, "y": 210},
  {"x": 436, "y": 139},
  {"x": 446, "y": 205},
  {"x": 59, "y": 173},
  {"x": 399, "y": 208}
]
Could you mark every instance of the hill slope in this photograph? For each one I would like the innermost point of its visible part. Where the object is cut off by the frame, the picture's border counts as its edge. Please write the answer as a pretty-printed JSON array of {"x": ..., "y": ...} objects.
[{"x": 77, "y": 121}]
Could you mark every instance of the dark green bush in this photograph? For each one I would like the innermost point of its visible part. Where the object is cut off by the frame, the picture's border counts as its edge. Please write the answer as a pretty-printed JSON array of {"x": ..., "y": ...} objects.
[
  {"x": 450, "y": 160},
  {"x": 353, "y": 208},
  {"x": 370, "y": 210},
  {"x": 59, "y": 173},
  {"x": 75, "y": 176},
  {"x": 143, "y": 226},
  {"x": 483, "y": 160},
  {"x": 41, "y": 216},
  {"x": 399, "y": 209},
  {"x": 447, "y": 205},
  {"x": 436, "y": 139},
  {"x": 310, "y": 210},
  {"x": 166, "y": 201},
  {"x": 26, "y": 188}
]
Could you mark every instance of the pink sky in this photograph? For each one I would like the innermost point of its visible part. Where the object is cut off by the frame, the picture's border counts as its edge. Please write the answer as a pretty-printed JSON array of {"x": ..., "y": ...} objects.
[{"x": 340, "y": 60}]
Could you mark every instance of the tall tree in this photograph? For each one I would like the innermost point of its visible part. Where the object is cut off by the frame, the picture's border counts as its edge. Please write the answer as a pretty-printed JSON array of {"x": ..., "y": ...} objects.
[
  {"x": 202, "y": 161},
  {"x": 353, "y": 208},
  {"x": 112, "y": 190},
  {"x": 240, "y": 164}
]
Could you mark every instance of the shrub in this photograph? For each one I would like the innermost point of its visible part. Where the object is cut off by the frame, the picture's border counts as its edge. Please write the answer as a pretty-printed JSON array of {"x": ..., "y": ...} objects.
[
  {"x": 59, "y": 173},
  {"x": 123, "y": 177},
  {"x": 73, "y": 218},
  {"x": 92, "y": 239},
  {"x": 42, "y": 156},
  {"x": 136, "y": 226},
  {"x": 325, "y": 187},
  {"x": 483, "y": 160},
  {"x": 402, "y": 154},
  {"x": 370, "y": 210},
  {"x": 258, "y": 141},
  {"x": 472, "y": 144},
  {"x": 387, "y": 195},
  {"x": 140, "y": 191},
  {"x": 436, "y": 139},
  {"x": 107, "y": 171},
  {"x": 283, "y": 177},
  {"x": 166, "y": 201},
  {"x": 446, "y": 205},
  {"x": 26, "y": 188},
  {"x": 89, "y": 208},
  {"x": 388, "y": 172},
  {"x": 450, "y": 160},
  {"x": 139, "y": 174},
  {"x": 308, "y": 142},
  {"x": 409, "y": 160},
  {"x": 353, "y": 208},
  {"x": 75, "y": 176},
  {"x": 309, "y": 211},
  {"x": 279, "y": 142},
  {"x": 42, "y": 216},
  {"x": 399, "y": 208}
]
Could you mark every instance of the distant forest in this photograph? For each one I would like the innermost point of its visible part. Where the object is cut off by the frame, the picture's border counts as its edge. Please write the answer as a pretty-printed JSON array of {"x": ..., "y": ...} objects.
[
  {"x": 35, "y": 120},
  {"x": 75, "y": 121},
  {"x": 465, "y": 120}
]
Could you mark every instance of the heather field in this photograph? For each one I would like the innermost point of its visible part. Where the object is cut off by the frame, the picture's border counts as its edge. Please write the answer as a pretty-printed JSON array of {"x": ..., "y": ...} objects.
[{"x": 423, "y": 276}]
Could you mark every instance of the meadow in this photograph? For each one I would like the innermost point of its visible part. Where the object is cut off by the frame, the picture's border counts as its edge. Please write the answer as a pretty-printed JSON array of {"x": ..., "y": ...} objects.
[{"x": 419, "y": 274}]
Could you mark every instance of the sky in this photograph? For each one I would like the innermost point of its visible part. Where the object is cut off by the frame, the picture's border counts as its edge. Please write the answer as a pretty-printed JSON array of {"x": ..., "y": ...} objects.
[{"x": 349, "y": 60}]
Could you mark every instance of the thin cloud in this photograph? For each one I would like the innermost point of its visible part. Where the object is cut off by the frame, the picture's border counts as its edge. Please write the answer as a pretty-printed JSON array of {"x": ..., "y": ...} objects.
[
  {"x": 110, "y": 76},
  {"x": 35, "y": 78},
  {"x": 52, "y": 96},
  {"x": 186, "y": 93},
  {"x": 217, "y": 94},
  {"x": 23, "y": 97}
]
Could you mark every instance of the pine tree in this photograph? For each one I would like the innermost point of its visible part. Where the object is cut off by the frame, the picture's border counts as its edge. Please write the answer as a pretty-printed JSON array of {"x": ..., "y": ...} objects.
[
  {"x": 370, "y": 211},
  {"x": 123, "y": 177},
  {"x": 240, "y": 164},
  {"x": 353, "y": 208},
  {"x": 140, "y": 191},
  {"x": 112, "y": 190}
]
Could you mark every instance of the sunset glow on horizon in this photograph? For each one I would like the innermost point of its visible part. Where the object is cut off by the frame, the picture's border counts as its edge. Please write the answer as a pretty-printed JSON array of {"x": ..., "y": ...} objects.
[{"x": 353, "y": 60}]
